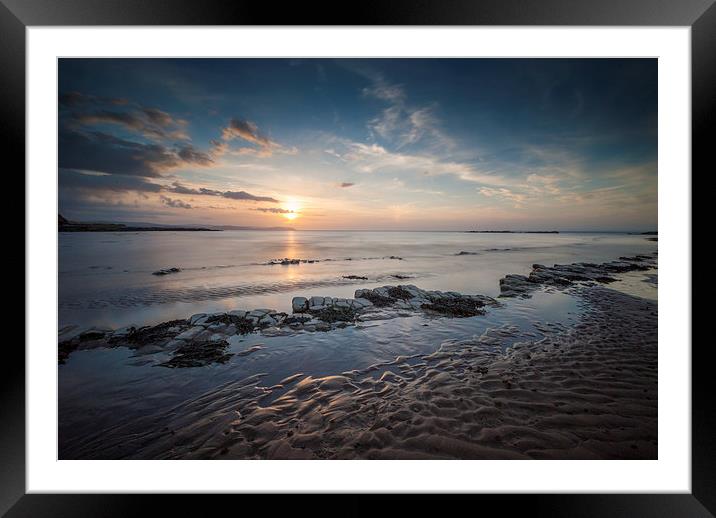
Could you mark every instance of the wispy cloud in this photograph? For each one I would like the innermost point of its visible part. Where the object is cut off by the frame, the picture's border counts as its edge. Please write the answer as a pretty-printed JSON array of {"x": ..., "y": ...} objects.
[
  {"x": 150, "y": 122},
  {"x": 102, "y": 152},
  {"x": 404, "y": 124},
  {"x": 176, "y": 204},
  {"x": 249, "y": 132},
  {"x": 274, "y": 210},
  {"x": 179, "y": 188},
  {"x": 371, "y": 158}
]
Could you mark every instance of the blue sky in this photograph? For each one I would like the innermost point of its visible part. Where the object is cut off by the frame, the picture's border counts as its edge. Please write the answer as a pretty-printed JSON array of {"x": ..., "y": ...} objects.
[{"x": 443, "y": 144}]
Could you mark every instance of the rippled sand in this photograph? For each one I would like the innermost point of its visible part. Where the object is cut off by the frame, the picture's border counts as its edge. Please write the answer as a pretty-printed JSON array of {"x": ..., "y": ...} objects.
[{"x": 584, "y": 392}]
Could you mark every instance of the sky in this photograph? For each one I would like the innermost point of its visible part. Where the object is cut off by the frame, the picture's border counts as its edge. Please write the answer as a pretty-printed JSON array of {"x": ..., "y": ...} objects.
[{"x": 362, "y": 144}]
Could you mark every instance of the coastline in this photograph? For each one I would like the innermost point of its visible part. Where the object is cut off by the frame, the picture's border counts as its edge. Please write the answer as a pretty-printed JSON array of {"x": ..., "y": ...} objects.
[{"x": 585, "y": 391}]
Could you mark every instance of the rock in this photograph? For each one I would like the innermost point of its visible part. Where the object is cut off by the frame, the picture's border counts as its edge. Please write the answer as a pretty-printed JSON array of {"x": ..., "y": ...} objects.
[
  {"x": 123, "y": 332},
  {"x": 194, "y": 318},
  {"x": 258, "y": 313},
  {"x": 456, "y": 307},
  {"x": 315, "y": 301},
  {"x": 174, "y": 345},
  {"x": 300, "y": 318},
  {"x": 267, "y": 320},
  {"x": 362, "y": 303},
  {"x": 217, "y": 328},
  {"x": 198, "y": 354},
  {"x": 202, "y": 320},
  {"x": 203, "y": 336},
  {"x": 401, "y": 304},
  {"x": 562, "y": 275},
  {"x": 92, "y": 333},
  {"x": 299, "y": 304},
  {"x": 190, "y": 333},
  {"x": 323, "y": 326},
  {"x": 355, "y": 277},
  {"x": 334, "y": 314},
  {"x": 239, "y": 313},
  {"x": 166, "y": 271},
  {"x": 148, "y": 349}
]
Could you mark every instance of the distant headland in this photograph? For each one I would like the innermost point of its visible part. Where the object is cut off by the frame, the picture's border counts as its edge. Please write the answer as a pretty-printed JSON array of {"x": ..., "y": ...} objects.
[
  {"x": 65, "y": 225},
  {"x": 512, "y": 231}
]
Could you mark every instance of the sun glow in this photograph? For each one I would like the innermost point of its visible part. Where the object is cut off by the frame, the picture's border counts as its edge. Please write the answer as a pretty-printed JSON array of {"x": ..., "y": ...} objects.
[{"x": 292, "y": 207}]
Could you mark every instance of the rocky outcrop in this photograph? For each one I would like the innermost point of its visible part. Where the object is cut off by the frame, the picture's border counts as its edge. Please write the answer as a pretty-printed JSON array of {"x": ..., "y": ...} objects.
[
  {"x": 204, "y": 338},
  {"x": 563, "y": 275},
  {"x": 167, "y": 271},
  {"x": 287, "y": 261}
]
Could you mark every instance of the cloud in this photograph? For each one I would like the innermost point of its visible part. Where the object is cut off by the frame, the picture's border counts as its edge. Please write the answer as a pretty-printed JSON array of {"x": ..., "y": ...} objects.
[
  {"x": 104, "y": 182},
  {"x": 190, "y": 155},
  {"x": 274, "y": 210},
  {"x": 248, "y": 131},
  {"x": 372, "y": 158},
  {"x": 504, "y": 193},
  {"x": 152, "y": 123},
  {"x": 243, "y": 195},
  {"x": 177, "y": 204},
  {"x": 178, "y": 188},
  {"x": 108, "y": 154},
  {"x": 402, "y": 123},
  {"x": 346, "y": 184},
  {"x": 381, "y": 89},
  {"x": 77, "y": 99}
]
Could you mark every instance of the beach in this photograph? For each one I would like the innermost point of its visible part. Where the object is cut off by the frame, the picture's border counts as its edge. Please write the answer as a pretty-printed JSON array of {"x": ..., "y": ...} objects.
[{"x": 555, "y": 360}]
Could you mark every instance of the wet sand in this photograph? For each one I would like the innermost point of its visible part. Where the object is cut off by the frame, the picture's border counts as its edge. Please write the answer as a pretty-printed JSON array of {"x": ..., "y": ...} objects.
[{"x": 582, "y": 392}]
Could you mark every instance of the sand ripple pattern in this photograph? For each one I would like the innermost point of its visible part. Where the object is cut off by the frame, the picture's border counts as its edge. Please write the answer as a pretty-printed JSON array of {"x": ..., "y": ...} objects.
[{"x": 583, "y": 392}]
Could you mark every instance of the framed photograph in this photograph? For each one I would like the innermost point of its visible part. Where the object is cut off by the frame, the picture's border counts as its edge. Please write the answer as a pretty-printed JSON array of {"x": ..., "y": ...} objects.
[{"x": 417, "y": 251}]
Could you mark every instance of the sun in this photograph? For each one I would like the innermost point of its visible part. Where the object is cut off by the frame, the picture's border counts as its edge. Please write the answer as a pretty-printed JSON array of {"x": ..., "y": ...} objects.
[{"x": 293, "y": 207}]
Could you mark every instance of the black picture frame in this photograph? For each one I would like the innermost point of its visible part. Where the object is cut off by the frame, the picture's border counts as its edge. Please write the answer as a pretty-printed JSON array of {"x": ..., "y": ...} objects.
[{"x": 700, "y": 15}]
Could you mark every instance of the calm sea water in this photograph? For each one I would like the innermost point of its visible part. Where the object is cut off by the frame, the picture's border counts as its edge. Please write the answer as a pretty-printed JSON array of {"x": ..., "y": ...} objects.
[{"x": 106, "y": 279}]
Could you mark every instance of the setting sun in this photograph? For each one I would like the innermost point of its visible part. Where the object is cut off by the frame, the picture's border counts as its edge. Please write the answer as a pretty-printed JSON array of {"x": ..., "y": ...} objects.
[{"x": 292, "y": 207}]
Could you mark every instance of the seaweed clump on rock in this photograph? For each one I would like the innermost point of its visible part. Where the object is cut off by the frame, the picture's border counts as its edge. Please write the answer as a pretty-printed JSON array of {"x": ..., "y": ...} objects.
[
  {"x": 457, "y": 307},
  {"x": 199, "y": 354}
]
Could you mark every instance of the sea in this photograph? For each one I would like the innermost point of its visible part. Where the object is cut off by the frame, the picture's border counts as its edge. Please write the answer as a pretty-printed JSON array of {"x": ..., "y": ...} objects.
[{"x": 107, "y": 279}]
